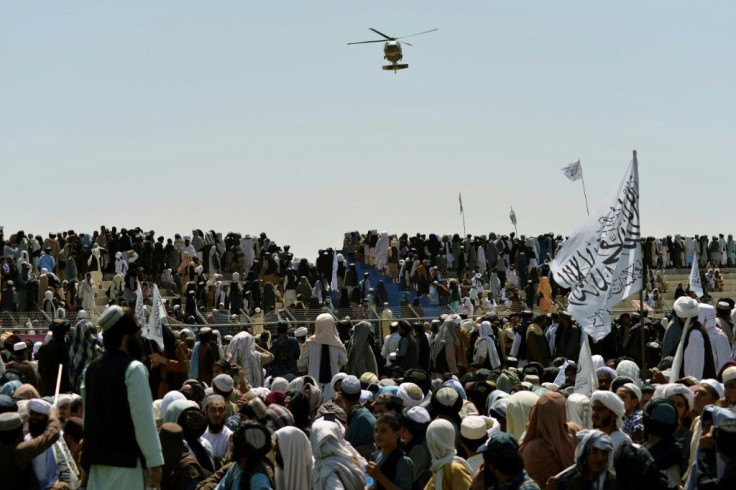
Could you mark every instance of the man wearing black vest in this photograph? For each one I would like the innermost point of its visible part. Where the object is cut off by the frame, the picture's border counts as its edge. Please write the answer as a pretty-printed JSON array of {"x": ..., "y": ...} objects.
[{"x": 120, "y": 437}]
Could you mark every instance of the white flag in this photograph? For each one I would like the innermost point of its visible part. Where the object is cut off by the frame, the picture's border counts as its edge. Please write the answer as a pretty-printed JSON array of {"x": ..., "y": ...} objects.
[
  {"x": 512, "y": 216},
  {"x": 333, "y": 279},
  {"x": 460, "y": 198},
  {"x": 574, "y": 171},
  {"x": 695, "y": 284},
  {"x": 586, "y": 382},
  {"x": 154, "y": 330},
  {"x": 601, "y": 261},
  {"x": 139, "y": 310}
]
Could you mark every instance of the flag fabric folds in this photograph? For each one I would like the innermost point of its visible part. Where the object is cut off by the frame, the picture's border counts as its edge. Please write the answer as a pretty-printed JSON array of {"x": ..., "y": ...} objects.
[
  {"x": 512, "y": 216},
  {"x": 460, "y": 197},
  {"x": 601, "y": 262},
  {"x": 586, "y": 382},
  {"x": 696, "y": 284},
  {"x": 140, "y": 310},
  {"x": 573, "y": 171},
  {"x": 154, "y": 328}
]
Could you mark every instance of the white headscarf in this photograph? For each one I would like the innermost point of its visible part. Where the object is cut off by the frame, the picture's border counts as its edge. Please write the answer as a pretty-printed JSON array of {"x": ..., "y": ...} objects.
[
  {"x": 579, "y": 410},
  {"x": 168, "y": 399},
  {"x": 485, "y": 336},
  {"x": 445, "y": 334},
  {"x": 296, "y": 452},
  {"x": 241, "y": 350},
  {"x": 332, "y": 454},
  {"x": 629, "y": 369},
  {"x": 441, "y": 444}
]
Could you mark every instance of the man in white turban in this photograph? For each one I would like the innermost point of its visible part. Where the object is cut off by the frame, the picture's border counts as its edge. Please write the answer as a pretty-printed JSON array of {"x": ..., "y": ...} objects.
[{"x": 608, "y": 416}]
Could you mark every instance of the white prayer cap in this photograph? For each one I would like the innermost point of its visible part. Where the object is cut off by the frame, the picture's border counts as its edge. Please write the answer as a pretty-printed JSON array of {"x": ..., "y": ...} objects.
[
  {"x": 301, "y": 332},
  {"x": 81, "y": 314},
  {"x": 706, "y": 315},
  {"x": 19, "y": 346},
  {"x": 64, "y": 399},
  {"x": 110, "y": 317},
  {"x": 634, "y": 389},
  {"x": 729, "y": 374},
  {"x": 39, "y": 406},
  {"x": 350, "y": 385},
  {"x": 717, "y": 387},
  {"x": 418, "y": 415},
  {"x": 37, "y": 346},
  {"x": 473, "y": 427},
  {"x": 411, "y": 394}
]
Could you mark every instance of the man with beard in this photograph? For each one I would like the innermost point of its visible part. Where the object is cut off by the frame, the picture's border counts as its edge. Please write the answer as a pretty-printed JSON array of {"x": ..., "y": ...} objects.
[
  {"x": 45, "y": 467},
  {"x": 607, "y": 416},
  {"x": 17, "y": 454},
  {"x": 120, "y": 437},
  {"x": 217, "y": 434},
  {"x": 53, "y": 353}
]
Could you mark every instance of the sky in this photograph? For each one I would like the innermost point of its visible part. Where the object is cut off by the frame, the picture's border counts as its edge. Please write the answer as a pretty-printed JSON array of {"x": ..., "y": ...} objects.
[{"x": 258, "y": 117}]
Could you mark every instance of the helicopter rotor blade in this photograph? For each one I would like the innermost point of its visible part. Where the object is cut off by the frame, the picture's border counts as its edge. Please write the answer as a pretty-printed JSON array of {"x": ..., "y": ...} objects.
[
  {"x": 382, "y": 34},
  {"x": 417, "y": 34},
  {"x": 406, "y": 43},
  {"x": 365, "y": 42}
]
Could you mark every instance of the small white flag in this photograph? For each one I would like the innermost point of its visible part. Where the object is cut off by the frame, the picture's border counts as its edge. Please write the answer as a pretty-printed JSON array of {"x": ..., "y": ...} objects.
[
  {"x": 695, "y": 284},
  {"x": 574, "y": 171},
  {"x": 460, "y": 197},
  {"x": 586, "y": 382},
  {"x": 154, "y": 328},
  {"x": 139, "y": 310},
  {"x": 512, "y": 216}
]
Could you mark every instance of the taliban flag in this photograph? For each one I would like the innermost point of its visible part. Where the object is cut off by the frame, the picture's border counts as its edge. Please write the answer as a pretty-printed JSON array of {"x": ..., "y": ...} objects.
[
  {"x": 696, "y": 285},
  {"x": 574, "y": 171},
  {"x": 601, "y": 261},
  {"x": 140, "y": 310},
  {"x": 154, "y": 327},
  {"x": 460, "y": 198},
  {"x": 512, "y": 216}
]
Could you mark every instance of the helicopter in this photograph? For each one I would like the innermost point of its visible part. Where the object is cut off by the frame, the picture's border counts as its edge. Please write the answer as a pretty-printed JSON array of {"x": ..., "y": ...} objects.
[{"x": 392, "y": 48}]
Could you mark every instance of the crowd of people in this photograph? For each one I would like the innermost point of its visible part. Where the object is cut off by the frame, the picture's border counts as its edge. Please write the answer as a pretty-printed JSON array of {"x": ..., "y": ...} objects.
[
  {"x": 241, "y": 273},
  {"x": 466, "y": 400}
]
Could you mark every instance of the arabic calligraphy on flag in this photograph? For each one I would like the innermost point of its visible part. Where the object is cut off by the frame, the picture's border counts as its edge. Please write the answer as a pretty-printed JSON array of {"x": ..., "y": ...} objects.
[
  {"x": 574, "y": 171},
  {"x": 601, "y": 261}
]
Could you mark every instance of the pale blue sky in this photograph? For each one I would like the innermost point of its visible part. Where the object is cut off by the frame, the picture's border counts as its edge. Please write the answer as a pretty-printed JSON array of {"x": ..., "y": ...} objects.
[{"x": 257, "y": 116}]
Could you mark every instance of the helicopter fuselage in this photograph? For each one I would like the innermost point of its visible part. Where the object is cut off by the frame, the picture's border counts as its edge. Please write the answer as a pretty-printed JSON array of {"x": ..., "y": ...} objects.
[{"x": 392, "y": 51}]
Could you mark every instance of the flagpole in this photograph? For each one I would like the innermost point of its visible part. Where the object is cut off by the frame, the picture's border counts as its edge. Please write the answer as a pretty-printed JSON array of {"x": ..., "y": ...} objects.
[
  {"x": 464, "y": 232},
  {"x": 586, "y": 195},
  {"x": 641, "y": 296}
]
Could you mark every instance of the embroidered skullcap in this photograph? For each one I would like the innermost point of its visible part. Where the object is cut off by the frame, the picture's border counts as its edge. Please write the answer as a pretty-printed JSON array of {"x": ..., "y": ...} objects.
[
  {"x": 387, "y": 382},
  {"x": 368, "y": 377},
  {"x": 411, "y": 394},
  {"x": 473, "y": 427},
  {"x": 19, "y": 346},
  {"x": 350, "y": 385},
  {"x": 729, "y": 374},
  {"x": 722, "y": 305},
  {"x": 446, "y": 396},
  {"x": 610, "y": 372},
  {"x": 64, "y": 399},
  {"x": 110, "y": 317},
  {"x": 10, "y": 421},
  {"x": 11, "y": 386},
  {"x": 301, "y": 332},
  {"x": 39, "y": 406},
  {"x": 634, "y": 389},
  {"x": 81, "y": 314},
  {"x": 212, "y": 399},
  {"x": 223, "y": 382}
]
